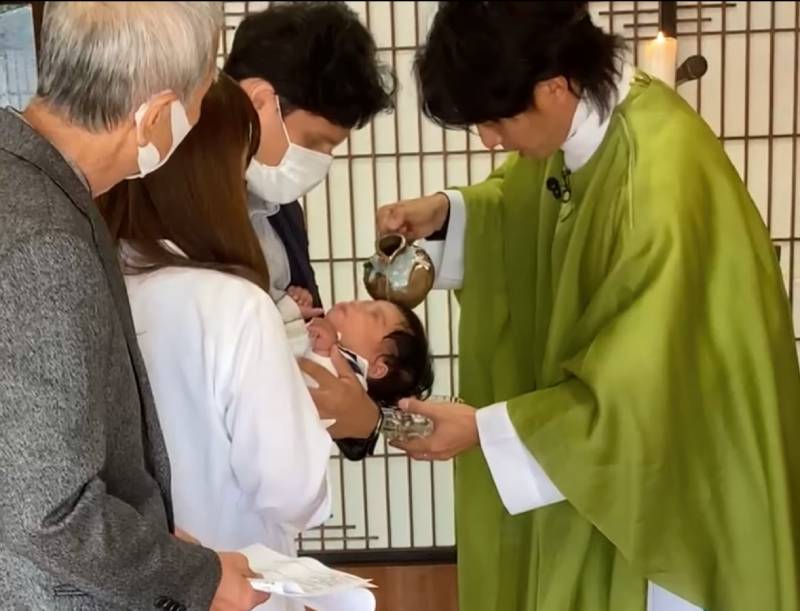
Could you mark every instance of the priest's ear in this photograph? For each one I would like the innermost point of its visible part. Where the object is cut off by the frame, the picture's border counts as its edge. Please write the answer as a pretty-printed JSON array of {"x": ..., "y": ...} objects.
[{"x": 552, "y": 92}]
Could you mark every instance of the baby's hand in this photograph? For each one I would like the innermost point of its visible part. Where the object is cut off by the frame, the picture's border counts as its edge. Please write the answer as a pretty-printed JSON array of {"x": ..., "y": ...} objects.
[
  {"x": 323, "y": 336},
  {"x": 304, "y": 301}
]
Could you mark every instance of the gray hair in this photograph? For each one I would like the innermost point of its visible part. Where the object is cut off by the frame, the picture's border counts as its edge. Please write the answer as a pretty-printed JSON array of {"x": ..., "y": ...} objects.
[{"x": 101, "y": 60}]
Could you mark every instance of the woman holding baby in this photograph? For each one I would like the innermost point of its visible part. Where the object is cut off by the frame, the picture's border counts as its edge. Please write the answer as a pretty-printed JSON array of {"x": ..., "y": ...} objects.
[{"x": 248, "y": 450}]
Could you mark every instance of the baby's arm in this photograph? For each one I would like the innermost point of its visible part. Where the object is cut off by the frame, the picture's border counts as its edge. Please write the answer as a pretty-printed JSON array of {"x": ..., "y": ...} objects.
[
  {"x": 323, "y": 339},
  {"x": 323, "y": 336}
]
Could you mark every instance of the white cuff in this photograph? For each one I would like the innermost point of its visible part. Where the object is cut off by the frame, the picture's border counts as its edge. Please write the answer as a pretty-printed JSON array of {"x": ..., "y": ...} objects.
[
  {"x": 448, "y": 255},
  {"x": 520, "y": 480},
  {"x": 659, "y": 599},
  {"x": 288, "y": 308},
  {"x": 297, "y": 334}
]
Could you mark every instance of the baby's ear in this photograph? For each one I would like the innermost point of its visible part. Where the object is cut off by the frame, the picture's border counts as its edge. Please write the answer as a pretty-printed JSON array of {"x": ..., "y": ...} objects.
[{"x": 378, "y": 369}]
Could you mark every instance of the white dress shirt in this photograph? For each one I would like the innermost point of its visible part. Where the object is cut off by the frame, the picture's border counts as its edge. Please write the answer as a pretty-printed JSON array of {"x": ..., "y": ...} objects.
[
  {"x": 521, "y": 481},
  {"x": 248, "y": 451},
  {"x": 280, "y": 273}
]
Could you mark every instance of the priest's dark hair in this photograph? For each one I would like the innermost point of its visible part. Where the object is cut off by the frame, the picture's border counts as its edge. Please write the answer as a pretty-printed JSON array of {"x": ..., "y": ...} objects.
[
  {"x": 318, "y": 57},
  {"x": 482, "y": 60}
]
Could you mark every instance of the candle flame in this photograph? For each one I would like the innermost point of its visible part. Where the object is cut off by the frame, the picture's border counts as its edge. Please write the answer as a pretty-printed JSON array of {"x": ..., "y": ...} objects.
[{"x": 660, "y": 37}]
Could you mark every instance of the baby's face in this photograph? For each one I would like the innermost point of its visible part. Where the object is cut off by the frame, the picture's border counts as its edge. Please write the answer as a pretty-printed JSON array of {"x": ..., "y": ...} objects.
[{"x": 364, "y": 324}]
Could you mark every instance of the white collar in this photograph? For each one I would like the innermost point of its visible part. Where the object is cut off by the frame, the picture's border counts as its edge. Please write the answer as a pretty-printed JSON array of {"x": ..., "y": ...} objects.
[
  {"x": 261, "y": 206},
  {"x": 587, "y": 130}
]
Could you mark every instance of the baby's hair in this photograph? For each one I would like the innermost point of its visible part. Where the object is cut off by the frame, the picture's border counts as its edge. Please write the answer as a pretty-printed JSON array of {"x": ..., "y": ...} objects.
[{"x": 409, "y": 363}]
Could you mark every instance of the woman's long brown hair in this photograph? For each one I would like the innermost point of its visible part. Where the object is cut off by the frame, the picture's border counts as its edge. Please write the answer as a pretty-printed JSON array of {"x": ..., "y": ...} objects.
[{"x": 197, "y": 199}]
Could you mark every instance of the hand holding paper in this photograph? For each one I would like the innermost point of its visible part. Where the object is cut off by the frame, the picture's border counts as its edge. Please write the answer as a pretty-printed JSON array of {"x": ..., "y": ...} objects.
[{"x": 308, "y": 581}]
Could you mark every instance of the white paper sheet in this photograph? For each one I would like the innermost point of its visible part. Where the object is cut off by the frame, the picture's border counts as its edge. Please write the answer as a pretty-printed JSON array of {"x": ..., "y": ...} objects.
[{"x": 308, "y": 581}]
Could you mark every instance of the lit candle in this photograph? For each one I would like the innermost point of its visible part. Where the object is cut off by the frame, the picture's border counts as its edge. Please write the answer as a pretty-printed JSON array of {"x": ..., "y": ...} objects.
[{"x": 659, "y": 59}]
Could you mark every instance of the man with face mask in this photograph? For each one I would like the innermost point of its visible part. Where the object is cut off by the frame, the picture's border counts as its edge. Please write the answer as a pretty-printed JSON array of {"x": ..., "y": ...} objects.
[
  {"x": 311, "y": 71},
  {"x": 86, "y": 517}
]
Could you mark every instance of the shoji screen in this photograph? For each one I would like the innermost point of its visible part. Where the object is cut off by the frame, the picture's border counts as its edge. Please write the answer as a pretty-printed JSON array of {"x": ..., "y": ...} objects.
[
  {"x": 17, "y": 55},
  {"x": 749, "y": 97}
]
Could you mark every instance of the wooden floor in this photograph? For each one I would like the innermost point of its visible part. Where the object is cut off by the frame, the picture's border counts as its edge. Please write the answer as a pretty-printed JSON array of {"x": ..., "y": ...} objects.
[{"x": 413, "y": 587}]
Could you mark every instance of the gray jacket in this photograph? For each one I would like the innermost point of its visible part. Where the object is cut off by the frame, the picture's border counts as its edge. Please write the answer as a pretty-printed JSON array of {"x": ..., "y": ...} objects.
[{"x": 85, "y": 508}]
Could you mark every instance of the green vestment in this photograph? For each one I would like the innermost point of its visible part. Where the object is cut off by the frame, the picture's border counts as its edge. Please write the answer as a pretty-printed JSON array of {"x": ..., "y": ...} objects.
[{"x": 643, "y": 339}]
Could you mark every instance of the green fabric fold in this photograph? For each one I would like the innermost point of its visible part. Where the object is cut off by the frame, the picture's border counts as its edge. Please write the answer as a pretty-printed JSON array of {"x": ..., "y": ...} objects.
[{"x": 642, "y": 337}]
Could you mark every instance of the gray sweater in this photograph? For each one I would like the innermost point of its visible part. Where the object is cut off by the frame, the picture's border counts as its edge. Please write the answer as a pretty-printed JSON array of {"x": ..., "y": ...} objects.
[{"x": 85, "y": 508}]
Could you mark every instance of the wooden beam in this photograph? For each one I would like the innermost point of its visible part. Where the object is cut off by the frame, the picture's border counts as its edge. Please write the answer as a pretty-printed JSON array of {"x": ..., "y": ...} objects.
[
  {"x": 37, "y": 8},
  {"x": 668, "y": 18}
]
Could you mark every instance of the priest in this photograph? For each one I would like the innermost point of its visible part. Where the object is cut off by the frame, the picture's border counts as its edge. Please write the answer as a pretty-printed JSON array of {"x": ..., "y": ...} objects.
[{"x": 630, "y": 383}]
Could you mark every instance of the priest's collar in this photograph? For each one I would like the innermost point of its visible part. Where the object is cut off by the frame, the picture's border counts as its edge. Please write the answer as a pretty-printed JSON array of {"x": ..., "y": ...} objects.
[{"x": 588, "y": 128}]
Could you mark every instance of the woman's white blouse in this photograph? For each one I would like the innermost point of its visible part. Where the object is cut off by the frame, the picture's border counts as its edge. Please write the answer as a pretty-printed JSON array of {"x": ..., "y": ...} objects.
[{"x": 249, "y": 454}]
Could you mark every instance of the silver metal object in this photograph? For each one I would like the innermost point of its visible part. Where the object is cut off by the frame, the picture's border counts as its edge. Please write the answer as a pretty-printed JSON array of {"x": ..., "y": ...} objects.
[
  {"x": 402, "y": 426},
  {"x": 398, "y": 425}
]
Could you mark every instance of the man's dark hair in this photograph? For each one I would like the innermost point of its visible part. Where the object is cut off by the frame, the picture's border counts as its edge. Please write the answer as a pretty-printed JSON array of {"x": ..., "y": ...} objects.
[
  {"x": 482, "y": 60},
  {"x": 409, "y": 363},
  {"x": 319, "y": 58}
]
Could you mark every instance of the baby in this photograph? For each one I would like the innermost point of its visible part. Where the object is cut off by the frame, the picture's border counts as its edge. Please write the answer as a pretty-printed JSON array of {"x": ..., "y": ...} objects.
[{"x": 384, "y": 344}]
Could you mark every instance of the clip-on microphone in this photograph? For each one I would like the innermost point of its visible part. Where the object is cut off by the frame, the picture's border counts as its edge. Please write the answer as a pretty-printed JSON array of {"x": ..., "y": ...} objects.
[{"x": 561, "y": 191}]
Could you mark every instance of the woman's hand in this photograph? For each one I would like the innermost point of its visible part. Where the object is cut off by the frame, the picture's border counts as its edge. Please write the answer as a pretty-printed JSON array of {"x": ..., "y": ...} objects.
[{"x": 342, "y": 399}]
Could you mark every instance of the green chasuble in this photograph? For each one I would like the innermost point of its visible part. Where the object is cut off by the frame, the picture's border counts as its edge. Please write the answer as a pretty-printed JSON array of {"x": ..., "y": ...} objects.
[{"x": 643, "y": 339}]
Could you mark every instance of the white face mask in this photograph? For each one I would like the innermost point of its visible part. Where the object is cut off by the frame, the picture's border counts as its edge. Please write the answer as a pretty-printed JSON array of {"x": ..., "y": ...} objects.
[
  {"x": 149, "y": 159},
  {"x": 299, "y": 171}
]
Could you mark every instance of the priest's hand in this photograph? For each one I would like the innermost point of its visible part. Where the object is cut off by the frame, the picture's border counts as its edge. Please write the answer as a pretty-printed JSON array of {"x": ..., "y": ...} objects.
[
  {"x": 414, "y": 218},
  {"x": 342, "y": 399},
  {"x": 455, "y": 430}
]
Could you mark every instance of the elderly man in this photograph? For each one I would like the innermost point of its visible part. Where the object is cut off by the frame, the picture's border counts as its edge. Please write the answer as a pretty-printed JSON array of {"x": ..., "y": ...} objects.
[{"x": 85, "y": 510}]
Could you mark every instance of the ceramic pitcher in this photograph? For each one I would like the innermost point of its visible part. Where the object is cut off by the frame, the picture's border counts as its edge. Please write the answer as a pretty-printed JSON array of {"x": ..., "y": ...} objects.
[{"x": 399, "y": 271}]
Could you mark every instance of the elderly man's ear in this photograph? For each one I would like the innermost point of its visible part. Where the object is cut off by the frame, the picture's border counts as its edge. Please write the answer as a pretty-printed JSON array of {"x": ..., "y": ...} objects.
[{"x": 153, "y": 125}]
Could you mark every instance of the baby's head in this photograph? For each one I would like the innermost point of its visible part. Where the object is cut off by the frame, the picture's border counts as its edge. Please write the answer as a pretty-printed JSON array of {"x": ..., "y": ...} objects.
[{"x": 392, "y": 340}]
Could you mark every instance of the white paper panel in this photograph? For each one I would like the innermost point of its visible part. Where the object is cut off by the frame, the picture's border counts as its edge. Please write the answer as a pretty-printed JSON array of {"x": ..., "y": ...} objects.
[
  {"x": 748, "y": 97},
  {"x": 17, "y": 57}
]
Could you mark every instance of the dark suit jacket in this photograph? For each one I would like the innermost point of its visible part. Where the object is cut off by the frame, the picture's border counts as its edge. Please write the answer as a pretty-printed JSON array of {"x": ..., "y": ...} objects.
[
  {"x": 85, "y": 507},
  {"x": 290, "y": 225}
]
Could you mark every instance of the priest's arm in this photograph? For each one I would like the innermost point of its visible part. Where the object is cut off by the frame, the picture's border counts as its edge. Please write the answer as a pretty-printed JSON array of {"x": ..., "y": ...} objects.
[{"x": 521, "y": 482}]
